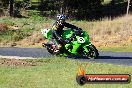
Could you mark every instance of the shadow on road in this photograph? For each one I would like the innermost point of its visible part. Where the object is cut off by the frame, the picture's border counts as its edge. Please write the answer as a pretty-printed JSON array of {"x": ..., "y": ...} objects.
[
  {"x": 113, "y": 57},
  {"x": 104, "y": 57}
]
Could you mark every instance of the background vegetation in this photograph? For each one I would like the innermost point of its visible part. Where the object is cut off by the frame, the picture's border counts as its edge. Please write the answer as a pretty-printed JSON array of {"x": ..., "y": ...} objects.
[{"x": 86, "y": 9}]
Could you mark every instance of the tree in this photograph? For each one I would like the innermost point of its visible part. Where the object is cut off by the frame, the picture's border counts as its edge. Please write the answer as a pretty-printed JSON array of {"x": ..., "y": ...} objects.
[
  {"x": 11, "y": 7},
  {"x": 128, "y": 7}
]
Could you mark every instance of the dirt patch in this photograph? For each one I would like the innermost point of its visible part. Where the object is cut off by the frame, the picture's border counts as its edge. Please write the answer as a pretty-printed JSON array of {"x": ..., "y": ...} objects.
[
  {"x": 3, "y": 27},
  {"x": 36, "y": 39},
  {"x": 18, "y": 62}
]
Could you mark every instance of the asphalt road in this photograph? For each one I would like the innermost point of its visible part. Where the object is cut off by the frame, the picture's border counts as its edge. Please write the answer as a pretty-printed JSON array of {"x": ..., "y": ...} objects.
[{"x": 120, "y": 58}]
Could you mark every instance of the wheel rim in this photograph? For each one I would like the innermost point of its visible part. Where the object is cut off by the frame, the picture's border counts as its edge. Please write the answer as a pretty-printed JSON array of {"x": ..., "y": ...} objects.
[{"x": 91, "y": 54}]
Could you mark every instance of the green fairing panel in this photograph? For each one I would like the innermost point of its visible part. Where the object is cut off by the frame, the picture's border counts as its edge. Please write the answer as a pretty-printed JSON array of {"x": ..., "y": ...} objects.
[
  {"x": 86, "y": 37},
  {"x": 75, "y": 44},
  {"x": 47, "y": 33},
  {"x": 67, "y": 33}
]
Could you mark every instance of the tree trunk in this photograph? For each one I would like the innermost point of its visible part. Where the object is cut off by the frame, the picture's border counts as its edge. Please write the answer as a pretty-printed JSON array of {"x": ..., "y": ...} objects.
[
  {"x": 128, "y": 7},
  {"x": 11, "y": 7},
  {"x": 113, "y": 2}
]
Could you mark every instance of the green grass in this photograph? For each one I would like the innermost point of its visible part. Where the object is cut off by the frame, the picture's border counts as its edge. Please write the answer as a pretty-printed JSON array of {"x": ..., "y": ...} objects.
[
  {"x": 57, "y": 73},
  {"x": 25, "y": 27},
  {"x": 15, "y": 35}
]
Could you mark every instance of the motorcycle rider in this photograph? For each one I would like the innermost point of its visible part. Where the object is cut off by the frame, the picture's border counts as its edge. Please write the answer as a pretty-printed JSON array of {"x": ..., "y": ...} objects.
[{"x": 58, "y": 29}]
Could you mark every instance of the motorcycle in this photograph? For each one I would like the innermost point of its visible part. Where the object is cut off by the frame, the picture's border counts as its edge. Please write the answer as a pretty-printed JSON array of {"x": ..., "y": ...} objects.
[{"x": 80, "y": 45}]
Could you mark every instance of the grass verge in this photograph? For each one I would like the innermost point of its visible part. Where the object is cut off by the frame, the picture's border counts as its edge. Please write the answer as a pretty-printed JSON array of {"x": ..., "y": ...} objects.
[
  {"x": 56, "y": 73},
  {"x": 17, "y": 29}
]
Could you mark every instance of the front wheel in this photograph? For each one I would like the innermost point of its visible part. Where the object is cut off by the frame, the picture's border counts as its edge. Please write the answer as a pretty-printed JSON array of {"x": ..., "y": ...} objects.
[{"x": 93, "y": 52}]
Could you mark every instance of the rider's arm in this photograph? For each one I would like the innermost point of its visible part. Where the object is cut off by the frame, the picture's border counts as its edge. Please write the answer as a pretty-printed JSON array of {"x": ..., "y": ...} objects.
[
  {"x": 56, "y": 36},
  {"x": 54, "y": 28},
  {"x": 71, "y": 26}
]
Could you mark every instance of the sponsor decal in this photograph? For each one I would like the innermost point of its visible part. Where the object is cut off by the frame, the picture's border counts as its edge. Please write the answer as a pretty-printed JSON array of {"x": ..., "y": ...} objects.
[{"x": 83, "y": 78}]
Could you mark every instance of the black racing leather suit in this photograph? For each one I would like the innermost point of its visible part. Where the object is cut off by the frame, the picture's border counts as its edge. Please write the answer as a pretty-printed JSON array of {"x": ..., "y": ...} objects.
[{"x": 58, "y": 29}]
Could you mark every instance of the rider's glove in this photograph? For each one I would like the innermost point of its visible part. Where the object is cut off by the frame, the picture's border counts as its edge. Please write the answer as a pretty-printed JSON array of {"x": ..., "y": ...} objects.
[
  {"x": 66, "y": 41},
  {"x": 71, "y": 38},
  {"x": 79, "y": 31},
  {"x": 60, "y": 39}
]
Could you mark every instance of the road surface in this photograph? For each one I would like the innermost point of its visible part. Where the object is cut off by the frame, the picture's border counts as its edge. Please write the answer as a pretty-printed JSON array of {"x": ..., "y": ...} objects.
[{"x": 120, "y": 58}]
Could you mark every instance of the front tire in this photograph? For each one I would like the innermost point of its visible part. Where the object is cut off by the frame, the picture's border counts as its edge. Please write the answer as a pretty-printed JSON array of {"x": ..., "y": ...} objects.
[{"x": 93, "y": 52}]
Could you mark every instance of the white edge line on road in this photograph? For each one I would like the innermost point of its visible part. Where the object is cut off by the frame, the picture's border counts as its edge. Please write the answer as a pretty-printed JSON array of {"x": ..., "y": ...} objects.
[{"x": 16, "y": 57}]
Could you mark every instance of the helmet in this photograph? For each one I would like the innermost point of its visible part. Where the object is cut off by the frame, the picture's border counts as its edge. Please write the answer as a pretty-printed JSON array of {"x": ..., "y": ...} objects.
[{"x": 61, "y": 17}]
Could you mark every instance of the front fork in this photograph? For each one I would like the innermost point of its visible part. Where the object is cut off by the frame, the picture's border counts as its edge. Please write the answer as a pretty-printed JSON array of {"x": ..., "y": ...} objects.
[{"x": 85, "y": 47}]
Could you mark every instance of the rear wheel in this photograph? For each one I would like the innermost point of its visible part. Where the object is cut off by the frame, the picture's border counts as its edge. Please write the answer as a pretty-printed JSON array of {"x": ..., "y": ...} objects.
[
  {"x": 93, "y": 52},
  {"x": 51, "y": 50}
]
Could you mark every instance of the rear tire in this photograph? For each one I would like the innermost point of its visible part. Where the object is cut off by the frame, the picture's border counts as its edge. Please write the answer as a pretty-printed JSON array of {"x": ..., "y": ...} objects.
[
  {"x": 50, "y": 51},
  {"x": 93, "y": 52},
  {"x": 53, "y": 52}
]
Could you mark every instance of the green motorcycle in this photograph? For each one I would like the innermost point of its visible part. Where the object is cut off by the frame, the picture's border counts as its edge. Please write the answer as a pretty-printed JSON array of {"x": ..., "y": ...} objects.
[{"x": 80, "y": 45}]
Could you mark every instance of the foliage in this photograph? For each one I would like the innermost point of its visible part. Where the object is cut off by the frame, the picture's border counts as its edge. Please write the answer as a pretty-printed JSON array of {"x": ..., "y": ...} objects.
[
  {"x": 73, "y": 8},
  {"x": 78, "y": 9},
  {"x": 16, "y": 29},
  {"x": 15, "y": 35}
]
